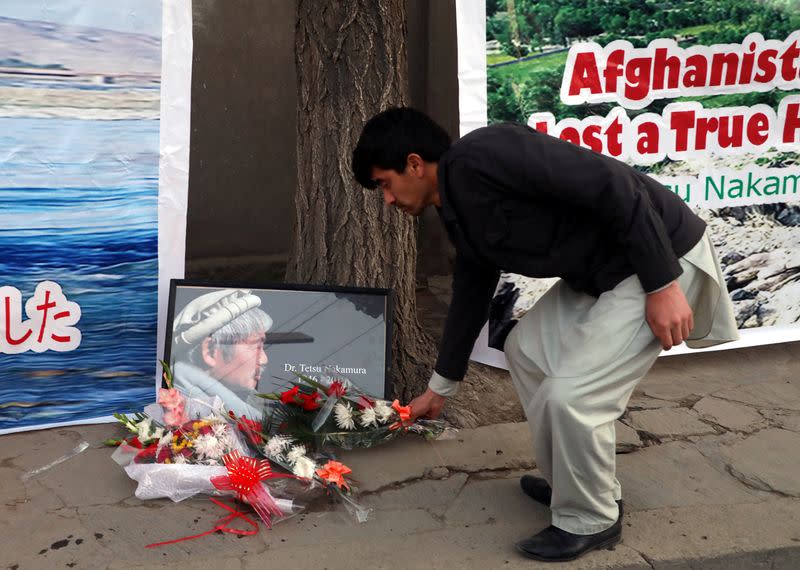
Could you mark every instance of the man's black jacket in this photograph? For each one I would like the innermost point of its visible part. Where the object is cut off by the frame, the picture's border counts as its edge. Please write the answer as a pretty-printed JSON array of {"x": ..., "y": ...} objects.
[{"x": 519, "y": 200}]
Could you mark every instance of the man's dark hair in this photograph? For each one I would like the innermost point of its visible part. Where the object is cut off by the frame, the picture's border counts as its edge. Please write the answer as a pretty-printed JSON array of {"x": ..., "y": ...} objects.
[{"x": 389, "y": 137}]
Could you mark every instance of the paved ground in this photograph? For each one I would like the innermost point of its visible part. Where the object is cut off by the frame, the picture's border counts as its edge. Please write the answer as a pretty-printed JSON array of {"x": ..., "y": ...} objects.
[{"x": 710, "y": 474}]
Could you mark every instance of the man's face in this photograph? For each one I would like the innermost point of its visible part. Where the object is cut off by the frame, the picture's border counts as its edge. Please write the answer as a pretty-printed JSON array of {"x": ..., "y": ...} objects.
[
  {"x": 245, "y": 365},
  {"x": 406, "y": 191}
]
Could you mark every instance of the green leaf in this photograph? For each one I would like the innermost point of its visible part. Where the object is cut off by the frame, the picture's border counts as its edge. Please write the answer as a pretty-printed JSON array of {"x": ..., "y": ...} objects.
[
  {"x": 269, "y": 396},
  {"x": 167, "y": 373}
]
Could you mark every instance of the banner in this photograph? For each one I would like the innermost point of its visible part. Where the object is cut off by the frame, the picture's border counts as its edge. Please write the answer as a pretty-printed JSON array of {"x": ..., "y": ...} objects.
[
  {"x": 94, "y": 136},
  {"x": 704, "y": 96}
]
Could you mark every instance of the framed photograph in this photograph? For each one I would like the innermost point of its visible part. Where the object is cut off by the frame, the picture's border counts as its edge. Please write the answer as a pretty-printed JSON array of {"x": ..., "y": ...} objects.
[{"x": 232, "y": 340}]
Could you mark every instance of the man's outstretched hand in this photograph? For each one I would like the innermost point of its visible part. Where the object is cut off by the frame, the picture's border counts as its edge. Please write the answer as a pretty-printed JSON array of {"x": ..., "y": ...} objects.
[
  {"x": 428, "y": 405},
  {"x": 669, "y": 315}
]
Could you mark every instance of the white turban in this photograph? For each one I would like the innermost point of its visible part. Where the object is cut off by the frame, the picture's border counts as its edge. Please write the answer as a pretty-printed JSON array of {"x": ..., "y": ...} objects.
[{"x": 208, "y": 313}]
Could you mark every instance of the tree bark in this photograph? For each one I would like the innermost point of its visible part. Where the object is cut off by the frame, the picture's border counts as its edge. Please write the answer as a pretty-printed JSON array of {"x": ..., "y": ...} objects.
[{"x": 351, "y": 64}]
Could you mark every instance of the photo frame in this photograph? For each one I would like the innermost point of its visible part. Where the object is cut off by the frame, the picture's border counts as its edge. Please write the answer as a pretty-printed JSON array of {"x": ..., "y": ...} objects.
[{"x": 234, "y": 340}]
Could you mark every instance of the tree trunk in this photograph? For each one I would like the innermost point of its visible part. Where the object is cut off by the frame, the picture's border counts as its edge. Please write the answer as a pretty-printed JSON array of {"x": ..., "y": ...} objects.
[{"x": 351, "y": 64}]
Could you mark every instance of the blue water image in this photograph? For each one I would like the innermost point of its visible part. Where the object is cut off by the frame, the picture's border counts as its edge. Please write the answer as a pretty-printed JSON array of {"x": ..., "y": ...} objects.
[{"x": 78, "y": 206}]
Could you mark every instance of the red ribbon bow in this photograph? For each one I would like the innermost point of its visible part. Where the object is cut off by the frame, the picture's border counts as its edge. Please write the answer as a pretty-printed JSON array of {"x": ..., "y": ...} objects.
[{"x": 245, "y": 475}]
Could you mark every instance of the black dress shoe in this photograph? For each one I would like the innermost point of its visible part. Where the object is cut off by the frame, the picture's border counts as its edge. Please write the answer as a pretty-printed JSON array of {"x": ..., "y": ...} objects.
[
  {"x": 539, "y": 490},
  {"x": 556, "y": 545}
]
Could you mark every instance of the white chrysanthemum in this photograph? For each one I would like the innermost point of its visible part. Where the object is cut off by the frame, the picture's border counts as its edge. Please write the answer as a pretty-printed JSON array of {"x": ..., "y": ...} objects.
[
  {"x": 228, "y": 441},
  {"x": 296, "y": 453},
  {"x": 208, "y": 447},
  {"x": 304, "y": 467},
  {"x": 344, "y": 416},
  {"x": 158, "y": 433},
  {"x": 383, "y": 411},
  {"x": 220, "y": 430},
  {"x": 368, "y": 417},
  {"x": 144, "y": 429},
  {"x": 164, "y": 440},
  {"x": 180, "y": 460},
  {"x": 277, "y": 444}
]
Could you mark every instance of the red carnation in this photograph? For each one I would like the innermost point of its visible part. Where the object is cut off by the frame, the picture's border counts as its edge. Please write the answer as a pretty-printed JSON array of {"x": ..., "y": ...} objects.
[
  {"x": 147, "y": 455},
  {"x": 309, "y": 401},
  {"x": 163, "y": 455},
  {"x": 290, "y": 396},
  {"x": 250, "y": 428},
  {"x": 337, "y": 389}
]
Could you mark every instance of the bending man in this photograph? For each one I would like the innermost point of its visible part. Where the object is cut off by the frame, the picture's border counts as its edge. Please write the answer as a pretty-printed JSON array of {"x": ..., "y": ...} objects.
[{"x": 637, "y": 275}]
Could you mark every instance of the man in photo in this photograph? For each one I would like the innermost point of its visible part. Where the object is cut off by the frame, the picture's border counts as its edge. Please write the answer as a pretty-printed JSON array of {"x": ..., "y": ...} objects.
[
  {"x": 218, "y": 348},
  {"x": 637, "y": 271}
]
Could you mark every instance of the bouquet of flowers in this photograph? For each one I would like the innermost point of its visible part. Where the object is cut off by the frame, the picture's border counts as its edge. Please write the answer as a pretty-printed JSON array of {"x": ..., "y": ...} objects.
[
  {"x": 339, "y": 413},
  {"x": 201, "y": 442},
  {"x": 181, "y": 447},
  {"x": 294, "y": 456}
]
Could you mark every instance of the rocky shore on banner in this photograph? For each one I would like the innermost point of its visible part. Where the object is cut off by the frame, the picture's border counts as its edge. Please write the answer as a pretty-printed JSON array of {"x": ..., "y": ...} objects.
[{"x": 757, "y": 246}]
